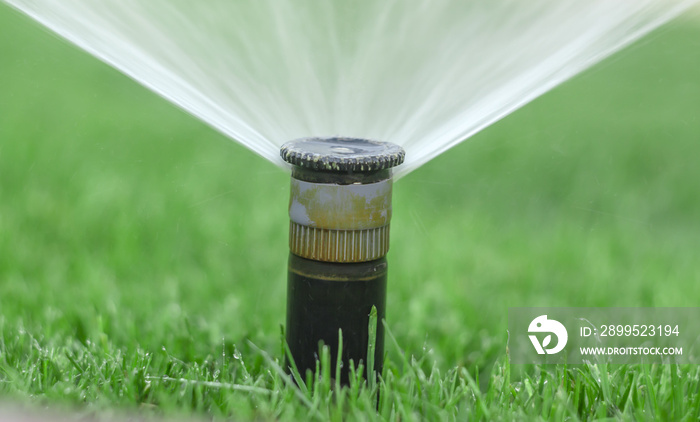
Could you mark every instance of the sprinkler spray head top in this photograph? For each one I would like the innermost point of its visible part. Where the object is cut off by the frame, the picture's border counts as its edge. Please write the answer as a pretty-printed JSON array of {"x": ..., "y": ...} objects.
[
  {"x": 342, "y": 154},
  {"x": 340, "y": 206}
]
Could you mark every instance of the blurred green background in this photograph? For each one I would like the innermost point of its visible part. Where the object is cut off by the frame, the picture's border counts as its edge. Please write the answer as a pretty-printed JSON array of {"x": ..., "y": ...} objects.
[{"x": 125, "y": 222}]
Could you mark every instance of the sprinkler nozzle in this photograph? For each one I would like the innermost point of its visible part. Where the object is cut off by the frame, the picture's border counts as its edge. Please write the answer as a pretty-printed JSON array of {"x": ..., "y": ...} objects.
[{"x": 339, "y": 209}]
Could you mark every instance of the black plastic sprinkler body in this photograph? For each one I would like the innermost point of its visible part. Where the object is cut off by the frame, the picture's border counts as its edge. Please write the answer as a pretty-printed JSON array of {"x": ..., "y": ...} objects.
[{"x": 340, "y": 208}]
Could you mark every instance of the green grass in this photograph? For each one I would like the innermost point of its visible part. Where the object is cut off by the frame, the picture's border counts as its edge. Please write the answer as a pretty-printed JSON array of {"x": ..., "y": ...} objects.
[{"x": 143, "y": 256}]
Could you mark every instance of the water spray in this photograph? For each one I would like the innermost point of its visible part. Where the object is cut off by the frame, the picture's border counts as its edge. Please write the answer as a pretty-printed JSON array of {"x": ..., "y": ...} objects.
[{"x": 339, "y": 210}]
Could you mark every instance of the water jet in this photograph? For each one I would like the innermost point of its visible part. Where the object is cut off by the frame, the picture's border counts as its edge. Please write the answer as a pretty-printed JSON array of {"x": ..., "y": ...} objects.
[
  {"x": 425, "y": 75},
  {"x": 340, "y": 212}
]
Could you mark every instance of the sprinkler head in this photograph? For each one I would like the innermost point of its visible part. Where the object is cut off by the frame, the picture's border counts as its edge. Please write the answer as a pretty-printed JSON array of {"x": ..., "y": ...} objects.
[
  {"x": 340, "y": 204},
  {"x": 340, "y": 210}
]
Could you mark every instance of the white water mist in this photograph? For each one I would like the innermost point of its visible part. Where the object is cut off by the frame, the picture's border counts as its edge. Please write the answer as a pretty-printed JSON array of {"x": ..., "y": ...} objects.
[{"x": 424, "y": 74}]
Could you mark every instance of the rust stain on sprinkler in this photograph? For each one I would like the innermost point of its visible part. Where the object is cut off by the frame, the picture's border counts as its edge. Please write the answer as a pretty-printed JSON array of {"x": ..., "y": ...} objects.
[{"x": 340, "y": 207}]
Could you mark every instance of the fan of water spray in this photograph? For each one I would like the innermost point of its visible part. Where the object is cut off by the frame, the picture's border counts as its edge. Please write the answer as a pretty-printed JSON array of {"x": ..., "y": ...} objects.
[{"x": 423, "y": 74}]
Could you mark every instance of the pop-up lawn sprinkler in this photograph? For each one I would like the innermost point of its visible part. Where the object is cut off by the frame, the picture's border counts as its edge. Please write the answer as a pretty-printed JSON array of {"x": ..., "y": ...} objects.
[{"x": 340, "y": 208}]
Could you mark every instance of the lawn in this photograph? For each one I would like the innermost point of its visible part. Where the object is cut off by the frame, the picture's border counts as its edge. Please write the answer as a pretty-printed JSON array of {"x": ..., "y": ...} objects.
[{"x": 143, "y": 255}]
